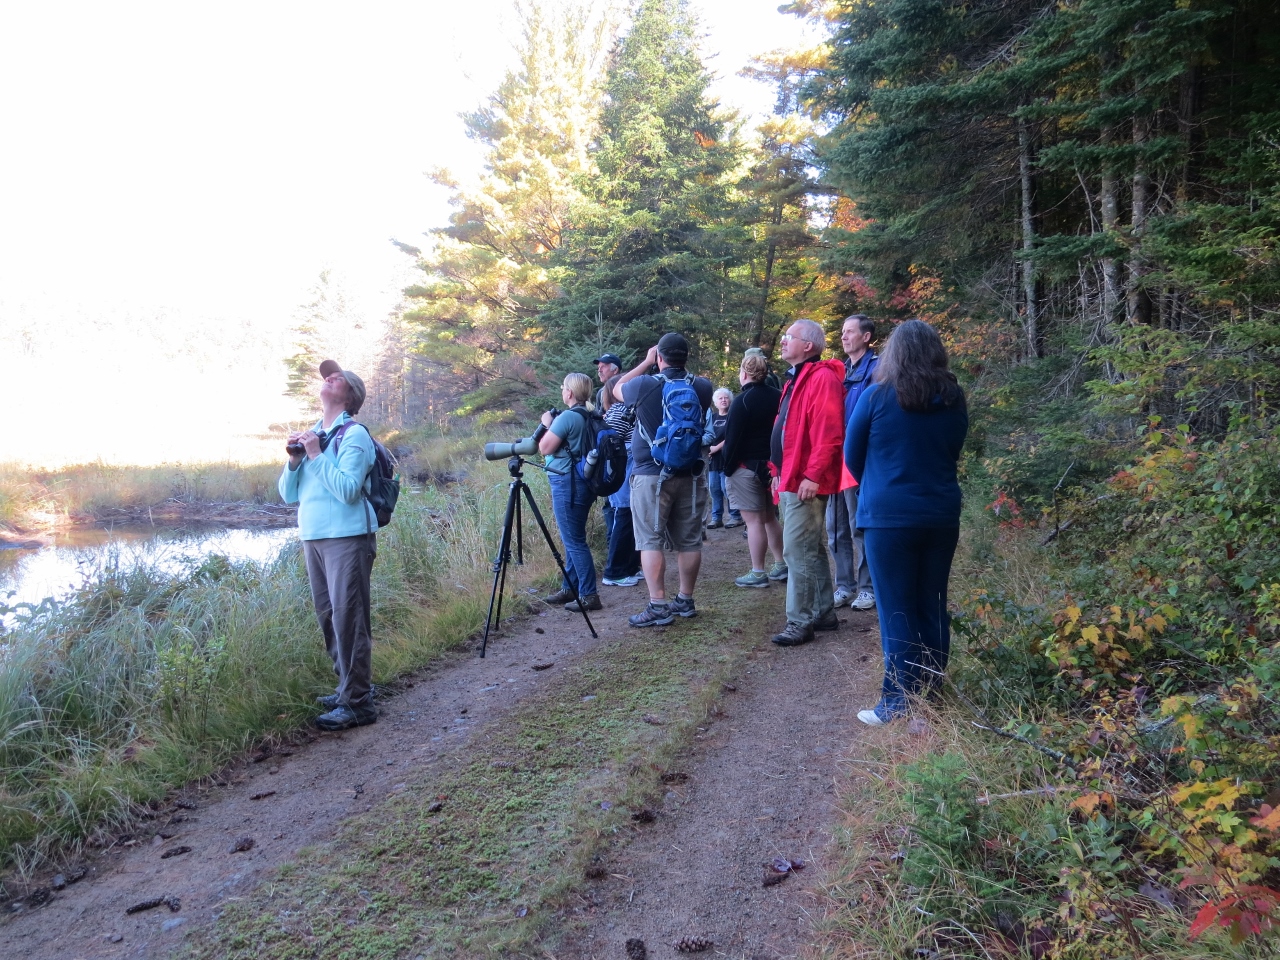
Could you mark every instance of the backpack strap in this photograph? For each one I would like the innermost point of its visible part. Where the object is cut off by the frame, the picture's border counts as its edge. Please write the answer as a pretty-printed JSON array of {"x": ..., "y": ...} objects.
[{"x": 368, "y": 477}]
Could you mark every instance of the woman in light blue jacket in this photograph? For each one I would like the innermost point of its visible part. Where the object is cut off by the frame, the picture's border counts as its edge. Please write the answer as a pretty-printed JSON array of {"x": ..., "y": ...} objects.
[{"x": 326, "y": 476}]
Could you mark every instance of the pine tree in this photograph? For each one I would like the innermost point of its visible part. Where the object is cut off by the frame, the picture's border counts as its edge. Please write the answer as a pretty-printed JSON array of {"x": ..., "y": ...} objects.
[
  {"x": 488, "y": 272},
  {"x": 654, "y": 242}
]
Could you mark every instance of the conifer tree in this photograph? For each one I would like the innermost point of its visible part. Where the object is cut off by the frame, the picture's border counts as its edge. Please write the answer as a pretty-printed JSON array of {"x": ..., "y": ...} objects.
[
  {"x": 656, "y": 238},
  {"x": 488, "y": 272}
]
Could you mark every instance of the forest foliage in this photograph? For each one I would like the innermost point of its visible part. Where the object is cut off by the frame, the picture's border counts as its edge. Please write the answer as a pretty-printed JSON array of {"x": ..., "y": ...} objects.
[{"x": 1084, "y": 197}]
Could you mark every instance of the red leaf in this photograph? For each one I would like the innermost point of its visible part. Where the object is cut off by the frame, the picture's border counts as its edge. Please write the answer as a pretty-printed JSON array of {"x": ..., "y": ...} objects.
[{"x": 1204, "y": 919}]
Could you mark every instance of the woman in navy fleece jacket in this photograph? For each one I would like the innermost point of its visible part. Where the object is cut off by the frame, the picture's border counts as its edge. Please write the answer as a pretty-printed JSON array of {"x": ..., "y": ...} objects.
[{"x": 902, "y": 444}]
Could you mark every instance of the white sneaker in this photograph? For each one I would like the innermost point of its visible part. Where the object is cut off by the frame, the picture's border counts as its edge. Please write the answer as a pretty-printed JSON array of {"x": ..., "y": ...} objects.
[
  {"x": 624, "y": 582},
  {"x": 870, "y": 718},
  {"x": 842, "y": 596},
  {"x": 865, "y": 600}
]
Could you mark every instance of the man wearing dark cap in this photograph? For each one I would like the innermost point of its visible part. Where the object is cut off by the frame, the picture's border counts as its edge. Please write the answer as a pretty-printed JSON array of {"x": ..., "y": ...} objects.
[
  {"x": 326, "y": 475},
  {"x": 665, "y": 508},
  {"x": 607, "y": 364}
]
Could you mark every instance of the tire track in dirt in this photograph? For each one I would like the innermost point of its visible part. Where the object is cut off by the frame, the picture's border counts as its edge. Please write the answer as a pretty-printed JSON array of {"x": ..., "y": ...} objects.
[{"x": 761, "y": 784}]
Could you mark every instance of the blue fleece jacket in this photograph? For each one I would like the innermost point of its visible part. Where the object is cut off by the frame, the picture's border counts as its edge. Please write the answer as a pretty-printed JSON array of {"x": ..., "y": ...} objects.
[
  {"x": 905, "y": 462},
  {"x": 329, "y": 489}
]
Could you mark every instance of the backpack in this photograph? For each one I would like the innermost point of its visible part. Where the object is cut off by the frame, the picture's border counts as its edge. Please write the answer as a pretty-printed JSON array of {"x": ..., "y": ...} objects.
[
  {"x": 604, "y": 468},
  {"x": 384, "y": 485},
  {"x": 677, "y": 445}
]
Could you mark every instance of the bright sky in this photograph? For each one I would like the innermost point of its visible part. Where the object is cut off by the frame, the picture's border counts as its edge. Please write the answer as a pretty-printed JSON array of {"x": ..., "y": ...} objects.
[{"x": 175, "y": 177}]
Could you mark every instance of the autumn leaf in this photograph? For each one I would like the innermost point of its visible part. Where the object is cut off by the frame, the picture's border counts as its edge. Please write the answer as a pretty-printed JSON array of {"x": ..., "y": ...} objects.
[{"x": 1204, "y": 919}]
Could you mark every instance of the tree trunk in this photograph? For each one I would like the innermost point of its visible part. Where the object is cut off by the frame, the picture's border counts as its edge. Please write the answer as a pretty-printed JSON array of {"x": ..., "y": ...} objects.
[
  {"x": 1137, "y": 299},
  {"x": 771, "y": 253},
  {"x": 1031, "y": 319},
  {"x": 1109, "y": 201}
]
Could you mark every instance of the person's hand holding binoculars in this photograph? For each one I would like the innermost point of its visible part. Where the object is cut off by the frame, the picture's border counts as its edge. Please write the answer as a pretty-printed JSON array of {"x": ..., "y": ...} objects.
[{"x": 302, "y": 444}]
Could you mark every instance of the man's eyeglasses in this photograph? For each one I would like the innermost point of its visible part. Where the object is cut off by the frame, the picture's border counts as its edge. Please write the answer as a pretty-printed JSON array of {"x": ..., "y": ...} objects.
[{"x": 788, "y": 337}]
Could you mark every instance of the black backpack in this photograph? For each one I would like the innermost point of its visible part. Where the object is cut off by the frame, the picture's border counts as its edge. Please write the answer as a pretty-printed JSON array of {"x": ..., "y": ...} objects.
[
  {"x": 384, "y": 486},
  {"x": 604, "y": 468}
]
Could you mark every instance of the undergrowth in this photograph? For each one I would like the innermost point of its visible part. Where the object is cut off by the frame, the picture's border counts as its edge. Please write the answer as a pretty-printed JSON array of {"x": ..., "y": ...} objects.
[{"x": 1121, "y": 649}]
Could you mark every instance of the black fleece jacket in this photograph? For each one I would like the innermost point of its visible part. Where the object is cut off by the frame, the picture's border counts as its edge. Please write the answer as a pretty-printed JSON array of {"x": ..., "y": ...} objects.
[{"x": 750, "y": 425}]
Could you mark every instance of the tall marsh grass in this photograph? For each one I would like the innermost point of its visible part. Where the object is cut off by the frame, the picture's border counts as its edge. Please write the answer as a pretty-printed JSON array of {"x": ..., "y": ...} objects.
[
  {"x": 143, "y": 681},
  {"x": 90, "y": 489}
]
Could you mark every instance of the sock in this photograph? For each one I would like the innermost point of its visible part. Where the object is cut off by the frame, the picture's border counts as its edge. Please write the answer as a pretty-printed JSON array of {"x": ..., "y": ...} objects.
[{"x": 684, "y": 596}]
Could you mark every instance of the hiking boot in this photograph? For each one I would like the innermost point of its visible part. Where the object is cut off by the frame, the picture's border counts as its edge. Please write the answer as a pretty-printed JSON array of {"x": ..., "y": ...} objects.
[
  {"x": 778, "y": 571},
  {"x": 841, "y": 597},
  {"x": 560, "y": 596},
  {"x": 331, "y": 700},
  {"x": 733, "y": 522},
  {"x": 655, "y": 614},
  {"x": 343, "y": 717},
  {"x": 715, "y": 524},
  {"x": 753, "y": 578},
  {"x": 794, "y": 634},
  {"x": 590, "y": 602},
  {"x": 828, "y": 622},
  {"x": 630, "y": 581},
  {"x": 683, "y": 606},
  {"x": 865, "y": 600}
]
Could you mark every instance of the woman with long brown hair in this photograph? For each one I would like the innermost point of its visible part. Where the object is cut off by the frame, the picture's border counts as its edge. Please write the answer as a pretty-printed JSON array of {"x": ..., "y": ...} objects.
[{"x": 902, "y": 445}]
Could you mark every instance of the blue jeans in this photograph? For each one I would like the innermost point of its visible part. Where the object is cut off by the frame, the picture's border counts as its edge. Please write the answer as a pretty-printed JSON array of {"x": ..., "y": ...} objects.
[
  {"x": 624, "y": 558},
  {"x": 910, "y": 567},
  {"x": 571, "y": 503},
  {"x": 719, "y": 498}
]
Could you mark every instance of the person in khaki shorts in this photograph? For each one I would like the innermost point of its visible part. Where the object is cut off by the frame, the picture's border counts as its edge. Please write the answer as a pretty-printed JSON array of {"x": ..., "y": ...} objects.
[{"x": 665, "y": 509}]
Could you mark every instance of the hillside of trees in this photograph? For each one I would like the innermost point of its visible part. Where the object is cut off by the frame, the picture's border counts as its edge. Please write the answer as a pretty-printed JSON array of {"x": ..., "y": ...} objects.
[{"x": 1084, "y": 197}]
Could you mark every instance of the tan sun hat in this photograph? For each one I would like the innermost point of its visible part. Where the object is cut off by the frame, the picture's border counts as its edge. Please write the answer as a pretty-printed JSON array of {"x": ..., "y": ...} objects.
[{"x": 355, "y": 386}]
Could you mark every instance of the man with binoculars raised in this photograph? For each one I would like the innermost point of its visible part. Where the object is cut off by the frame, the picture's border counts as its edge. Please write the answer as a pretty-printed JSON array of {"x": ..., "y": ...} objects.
[{"x": 669, "y": 483}]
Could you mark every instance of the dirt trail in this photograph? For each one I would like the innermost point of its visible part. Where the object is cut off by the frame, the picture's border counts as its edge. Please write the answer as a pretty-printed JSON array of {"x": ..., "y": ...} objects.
[{"x": 759, "y": 786}]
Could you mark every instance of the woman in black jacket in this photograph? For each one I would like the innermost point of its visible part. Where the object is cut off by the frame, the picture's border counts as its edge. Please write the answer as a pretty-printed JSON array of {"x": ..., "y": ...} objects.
[{"x": 746, "y": 466}]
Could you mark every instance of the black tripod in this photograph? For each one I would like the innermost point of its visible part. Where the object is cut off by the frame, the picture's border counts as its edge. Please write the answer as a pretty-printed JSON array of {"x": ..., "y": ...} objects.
[{"x": 511, "y": 523}]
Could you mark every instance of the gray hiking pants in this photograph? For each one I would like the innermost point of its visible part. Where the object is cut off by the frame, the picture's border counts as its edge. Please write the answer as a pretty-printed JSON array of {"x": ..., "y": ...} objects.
[{"x": 339, "y": 569}]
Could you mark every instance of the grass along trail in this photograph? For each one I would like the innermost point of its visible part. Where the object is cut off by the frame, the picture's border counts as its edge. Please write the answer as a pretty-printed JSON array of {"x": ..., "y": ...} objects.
[{"x": 482, "y": 809}]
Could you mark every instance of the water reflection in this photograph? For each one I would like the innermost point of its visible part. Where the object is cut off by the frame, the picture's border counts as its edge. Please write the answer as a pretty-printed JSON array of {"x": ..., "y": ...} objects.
[{"x": 54, "y": 570}]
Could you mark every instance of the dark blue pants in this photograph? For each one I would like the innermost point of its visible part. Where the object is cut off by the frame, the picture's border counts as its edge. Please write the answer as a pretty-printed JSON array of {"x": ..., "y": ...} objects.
[
  {"x": 719, "y": 496},
  {"x": 624, "y": 558},
  {"x": 571, "y": 502},
  {"x": 910, "y": 567}
]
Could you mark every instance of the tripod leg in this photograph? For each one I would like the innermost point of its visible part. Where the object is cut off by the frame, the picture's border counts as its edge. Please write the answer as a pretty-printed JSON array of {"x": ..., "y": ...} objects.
[
  {"x": 546, "y": 535},
  {"x": 501, "y": 561}
]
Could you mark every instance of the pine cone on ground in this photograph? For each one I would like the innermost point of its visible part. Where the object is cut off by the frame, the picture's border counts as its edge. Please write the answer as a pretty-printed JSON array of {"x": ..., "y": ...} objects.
[
  {"x": 693, "y": 944},
  {"x": 636, "y": 949}
]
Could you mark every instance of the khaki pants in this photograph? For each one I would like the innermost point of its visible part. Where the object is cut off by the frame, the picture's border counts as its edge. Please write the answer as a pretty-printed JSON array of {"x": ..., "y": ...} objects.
[{"x": 804, "y": 550}]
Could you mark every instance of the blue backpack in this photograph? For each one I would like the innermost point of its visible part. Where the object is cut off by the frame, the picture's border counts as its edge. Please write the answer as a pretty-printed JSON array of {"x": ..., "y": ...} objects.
[{"x": 677, "y": 446}]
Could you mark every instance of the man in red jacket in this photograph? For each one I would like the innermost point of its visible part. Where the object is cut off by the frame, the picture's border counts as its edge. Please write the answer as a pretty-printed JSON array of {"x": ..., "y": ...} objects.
[{"x": 807, "y": 454}]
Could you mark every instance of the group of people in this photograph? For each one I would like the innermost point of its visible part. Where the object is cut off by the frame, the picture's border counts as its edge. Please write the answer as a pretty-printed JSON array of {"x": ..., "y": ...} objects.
[
  {"x": 857, "y": 456},
  {"x": 852, "y": 459}
]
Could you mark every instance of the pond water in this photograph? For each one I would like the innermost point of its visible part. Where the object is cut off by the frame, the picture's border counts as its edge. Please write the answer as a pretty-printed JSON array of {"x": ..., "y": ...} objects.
[{"x": 31, "y": 575}]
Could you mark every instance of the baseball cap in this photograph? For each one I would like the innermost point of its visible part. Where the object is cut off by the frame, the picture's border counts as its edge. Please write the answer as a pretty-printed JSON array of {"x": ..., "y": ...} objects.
[
  {"x": 673, "y": 348},
  {"x": 609, "y": 358},
  {"x": 355, "y": 386}
]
